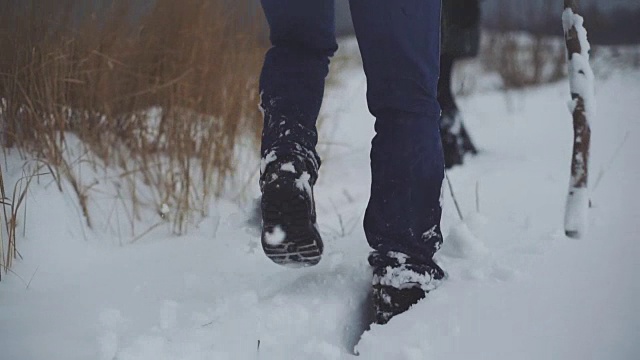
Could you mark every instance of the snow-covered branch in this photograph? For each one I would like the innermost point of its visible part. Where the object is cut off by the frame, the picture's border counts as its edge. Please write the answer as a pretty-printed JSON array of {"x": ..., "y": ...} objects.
[{"x": 582, "y": 106}]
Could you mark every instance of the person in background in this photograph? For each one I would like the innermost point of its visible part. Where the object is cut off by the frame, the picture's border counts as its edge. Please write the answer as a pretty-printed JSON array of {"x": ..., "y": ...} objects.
[{"x": 460, "y": 40}]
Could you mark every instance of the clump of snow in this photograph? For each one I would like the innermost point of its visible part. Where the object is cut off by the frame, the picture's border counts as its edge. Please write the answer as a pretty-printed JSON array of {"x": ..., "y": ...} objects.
[
  {"x": 431, "y": 233},
  {"x": 576, "y": 217},
  {"x": 461, "y": 243},
  {"x": 403, "y": 277},
  {"x": 581, "y": 75},
  {"x": 276, "y": 237},
  {"x": 572, "y": 104},
  {"x": 571, "y": 19},
  {"x": 261, "y": 104},
  {"x": 303, "y": 183},
  {"x": 400, "y": 257},
  {"x": 288, "y": 167},
  {"x": 583, "y": 84},
  {"x": 266, "y": 160},
  {"x": 164, "y": 210}
]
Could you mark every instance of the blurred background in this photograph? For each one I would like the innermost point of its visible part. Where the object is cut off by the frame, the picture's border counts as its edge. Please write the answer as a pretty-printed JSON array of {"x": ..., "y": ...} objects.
[
  {"x": 124, "y": 123},
  {"x": 162, "y": 94},
  {"x": 609, "y": 21}
]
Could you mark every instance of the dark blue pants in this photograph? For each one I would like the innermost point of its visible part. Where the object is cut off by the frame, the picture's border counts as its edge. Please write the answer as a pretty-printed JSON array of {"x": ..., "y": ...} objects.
[{"x": 400, "y": 45}]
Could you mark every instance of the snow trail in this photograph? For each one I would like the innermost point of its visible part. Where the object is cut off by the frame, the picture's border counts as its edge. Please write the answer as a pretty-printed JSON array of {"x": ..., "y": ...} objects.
[{"x": 517, "y": 288}]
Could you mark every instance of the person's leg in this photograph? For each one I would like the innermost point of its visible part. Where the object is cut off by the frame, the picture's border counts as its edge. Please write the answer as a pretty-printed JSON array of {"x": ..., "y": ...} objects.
[
  {"x": 291, "y": 87},
  {"x": 456, "y": 142},
  {"x": 399, "y": 41},
  {"x": 293, "y": 76},
  {"x": 445, "y": 94},
  {"x": 450, "y": 126}
]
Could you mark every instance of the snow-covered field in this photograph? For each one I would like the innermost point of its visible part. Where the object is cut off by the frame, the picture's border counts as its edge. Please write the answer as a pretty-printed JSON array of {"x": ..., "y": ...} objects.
[{"x": 517, "y": 288}]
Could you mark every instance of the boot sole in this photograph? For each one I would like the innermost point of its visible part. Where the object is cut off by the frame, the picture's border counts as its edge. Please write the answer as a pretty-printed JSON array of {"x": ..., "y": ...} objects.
[{"x": 289, "y": 211}]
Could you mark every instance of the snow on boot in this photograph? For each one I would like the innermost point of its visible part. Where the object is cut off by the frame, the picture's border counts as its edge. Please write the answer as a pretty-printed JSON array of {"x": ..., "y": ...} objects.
[
  {"x": 289, "y": 232},
  {"x": 399, "y": 282}
]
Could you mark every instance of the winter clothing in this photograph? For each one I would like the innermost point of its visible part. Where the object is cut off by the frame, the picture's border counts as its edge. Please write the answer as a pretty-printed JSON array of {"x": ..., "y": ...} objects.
[
  {"x": 460, "y": 28},
  {"x": 290, "y": 235},
  {"x": 399, "y": 42},
  {"x": 400, "y": 46},
  {"x": 455, "y": 138},
  {"x": 399, "y": 282},
  {"x": 460, "y": 39}
]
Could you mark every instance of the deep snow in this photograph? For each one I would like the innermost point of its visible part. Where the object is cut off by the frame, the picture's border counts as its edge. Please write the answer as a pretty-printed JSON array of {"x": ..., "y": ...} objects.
[{"x": 517, "y": 287}]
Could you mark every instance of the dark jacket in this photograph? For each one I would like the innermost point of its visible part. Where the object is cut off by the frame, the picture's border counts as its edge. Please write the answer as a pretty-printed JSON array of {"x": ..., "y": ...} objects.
[{"x": 460, "y": 28}]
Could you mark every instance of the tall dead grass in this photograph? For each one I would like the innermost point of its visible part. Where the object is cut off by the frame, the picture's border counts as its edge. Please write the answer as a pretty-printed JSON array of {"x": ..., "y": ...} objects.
[
  {"x": 523, "y": 59},
  {"x": 11, "y": 208},
  {"x": 165, "y": 96}
]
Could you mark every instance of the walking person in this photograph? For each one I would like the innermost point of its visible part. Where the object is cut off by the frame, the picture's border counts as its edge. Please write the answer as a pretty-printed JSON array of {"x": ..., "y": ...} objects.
[
  {"x": 460, "y": 40},
  {"x": 400, "y": 45}
]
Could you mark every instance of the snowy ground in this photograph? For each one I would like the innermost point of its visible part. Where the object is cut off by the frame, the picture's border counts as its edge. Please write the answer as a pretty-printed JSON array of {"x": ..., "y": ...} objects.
[{"x": 520, "y": 291}]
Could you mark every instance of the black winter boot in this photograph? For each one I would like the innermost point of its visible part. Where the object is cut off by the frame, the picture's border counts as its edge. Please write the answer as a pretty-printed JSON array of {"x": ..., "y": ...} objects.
[
  {"x": 289, "y": 232},
  {"x": 399, "y": 282}
]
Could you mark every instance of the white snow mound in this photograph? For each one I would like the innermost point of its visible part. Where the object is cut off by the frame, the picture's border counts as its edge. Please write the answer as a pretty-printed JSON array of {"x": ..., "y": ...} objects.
[{"x": 461, "y": 243}]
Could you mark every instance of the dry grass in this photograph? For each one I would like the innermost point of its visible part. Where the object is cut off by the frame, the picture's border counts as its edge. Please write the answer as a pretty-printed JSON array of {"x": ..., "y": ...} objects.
[
  {"x": 11, "y": 209},
  {"x": 524, "y": 60},
  {"x": 67, "y": 68}
]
